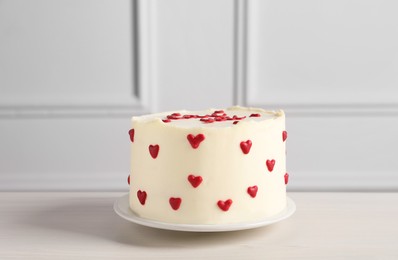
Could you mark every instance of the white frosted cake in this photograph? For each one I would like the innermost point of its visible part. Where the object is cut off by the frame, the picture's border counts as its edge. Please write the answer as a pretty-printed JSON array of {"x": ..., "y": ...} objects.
[{"x": 208, "y": 167}]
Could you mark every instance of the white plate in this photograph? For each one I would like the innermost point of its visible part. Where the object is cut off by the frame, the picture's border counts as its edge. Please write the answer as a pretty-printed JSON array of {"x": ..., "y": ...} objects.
[{"x": 122, "y": 208}]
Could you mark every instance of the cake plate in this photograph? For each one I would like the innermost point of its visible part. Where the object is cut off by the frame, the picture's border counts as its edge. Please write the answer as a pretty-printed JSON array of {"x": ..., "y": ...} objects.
[{"x": 122, "y": 208}]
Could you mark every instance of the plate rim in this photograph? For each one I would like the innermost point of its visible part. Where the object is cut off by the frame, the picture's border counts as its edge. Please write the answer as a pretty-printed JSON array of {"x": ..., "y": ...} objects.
[{"x": 132, "y": 217}]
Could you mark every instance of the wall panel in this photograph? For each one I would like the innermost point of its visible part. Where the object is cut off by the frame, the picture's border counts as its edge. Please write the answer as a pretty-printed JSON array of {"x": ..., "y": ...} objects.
[
  {"x": 332, "y": 66},
  {"x": 72, "y": 73}
]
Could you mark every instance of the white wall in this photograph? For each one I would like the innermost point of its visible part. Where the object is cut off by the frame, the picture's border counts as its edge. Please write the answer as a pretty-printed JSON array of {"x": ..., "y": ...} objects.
[
  {"x": 73, "y": 72},
  {"x": 67, "y": 90},
  {"x": 332, "y": 65}
]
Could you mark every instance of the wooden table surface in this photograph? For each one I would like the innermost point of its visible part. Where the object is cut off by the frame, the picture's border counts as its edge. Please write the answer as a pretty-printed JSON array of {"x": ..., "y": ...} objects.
[{"x": 83, "y": 225}]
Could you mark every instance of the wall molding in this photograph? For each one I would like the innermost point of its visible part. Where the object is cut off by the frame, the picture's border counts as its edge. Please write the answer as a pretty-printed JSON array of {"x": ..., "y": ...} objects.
[
  {"x": 47, "y": 111},
  {"x": 240, "y": 52},
  {"x": 347, "y": 139},
  {"x": 139, "y": 101},
  {"x": 81, "y": 181},
  {"x": 243, "y": 21},
  {"x": 331, "y": 110},
  {"x": 331, "y": 181}
]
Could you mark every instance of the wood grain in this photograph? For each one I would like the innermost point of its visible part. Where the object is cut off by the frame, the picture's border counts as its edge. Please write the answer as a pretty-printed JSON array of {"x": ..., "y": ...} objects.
[{"x": 84, "y": 226}]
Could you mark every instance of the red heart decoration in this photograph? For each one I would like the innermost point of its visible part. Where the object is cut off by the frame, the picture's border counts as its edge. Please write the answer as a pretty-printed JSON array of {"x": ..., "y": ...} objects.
[
  {"x": 195, "y": 180},
  {"x": 255, "y": 115},
  {"x": 270, "y": 164},
  {"x": 252, "y": 191},
  {"x": 284, "y": 135},
  {"x": 141, "y": 195},
  {"x": 175, "y": 203},
  {"x": 286, "y": 178},
  {"x": 245, "y": 146},
  {"x": 131, "y": 133},
  {"x": 154, "y": 150},
  {"x": 195, "y": 140},
  {"x": 128, "y": 180},
  {"x": 224, "y": 205}
]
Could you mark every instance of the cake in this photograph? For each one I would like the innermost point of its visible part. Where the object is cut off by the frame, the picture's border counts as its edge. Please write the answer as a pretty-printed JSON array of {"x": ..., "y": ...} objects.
[{"x": 208, "y": 167}]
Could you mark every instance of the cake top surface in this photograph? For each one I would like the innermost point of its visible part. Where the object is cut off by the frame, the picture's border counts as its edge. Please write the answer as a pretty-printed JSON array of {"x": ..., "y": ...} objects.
[{"x": 212, "y": 118}]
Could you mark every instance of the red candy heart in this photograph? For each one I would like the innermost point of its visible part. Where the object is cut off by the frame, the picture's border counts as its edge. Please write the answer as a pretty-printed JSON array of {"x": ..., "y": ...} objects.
[
  {"x": 131, "y": 133},
  {"x": 224, "y": 205},
  {"x": 270, "y": 165},
  {"x": 284, "y": 135},
  {"x": 175, "y": 203},
  {"x": 286, "y": 178},
  {"x": 255, "y": 115},
  {"x": 195, "y": 180},
  {"x": 245, "y": 146},
  {"x": 252, "y": 191},
  {"x": 141, "y": 195},
  {"x": 154, "y": 150},
  {"x": 195, "y": 140},
  {"x": 128, "y": 180}
]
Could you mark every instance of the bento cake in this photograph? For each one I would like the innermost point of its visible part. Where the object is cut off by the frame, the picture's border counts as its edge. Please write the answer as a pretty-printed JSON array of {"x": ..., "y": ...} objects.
[{"x": 217, "y": 166}]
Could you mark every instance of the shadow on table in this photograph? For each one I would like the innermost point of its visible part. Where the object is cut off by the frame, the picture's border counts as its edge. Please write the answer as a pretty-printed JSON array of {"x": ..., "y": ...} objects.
[{"x": 99, "y": 220}]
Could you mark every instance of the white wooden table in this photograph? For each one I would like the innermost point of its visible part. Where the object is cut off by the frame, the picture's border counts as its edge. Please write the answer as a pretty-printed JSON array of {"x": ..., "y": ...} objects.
[{"x": 84, "y": 226}]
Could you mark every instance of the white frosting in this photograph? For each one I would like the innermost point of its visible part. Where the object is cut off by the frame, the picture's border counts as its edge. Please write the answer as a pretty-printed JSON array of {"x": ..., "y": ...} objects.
[{"x": 226, "y": 171}]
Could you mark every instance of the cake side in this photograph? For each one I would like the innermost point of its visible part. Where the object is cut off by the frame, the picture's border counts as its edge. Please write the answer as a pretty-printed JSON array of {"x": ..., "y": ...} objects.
[{"x": 203, "y": 173}]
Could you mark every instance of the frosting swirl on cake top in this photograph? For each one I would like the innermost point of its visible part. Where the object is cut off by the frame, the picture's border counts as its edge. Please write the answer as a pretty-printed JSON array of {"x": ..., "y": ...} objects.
[{"x": 213, "y": 118}]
